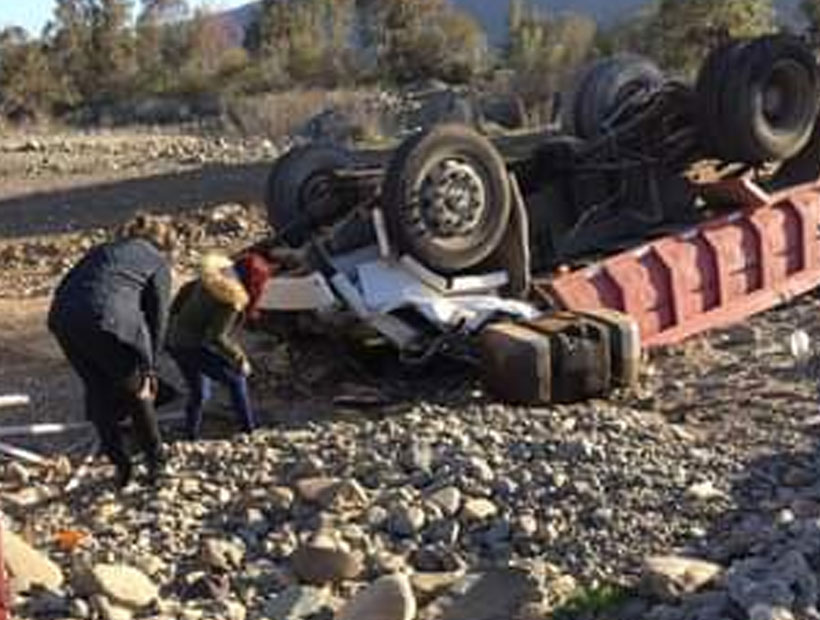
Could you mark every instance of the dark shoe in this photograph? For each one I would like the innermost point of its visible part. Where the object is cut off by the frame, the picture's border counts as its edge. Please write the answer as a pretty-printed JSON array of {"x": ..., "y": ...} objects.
[
  {"x": 123, "y": 475},
  {"x": 156, "y": 472},
  {"x": 156, "y": 466}
]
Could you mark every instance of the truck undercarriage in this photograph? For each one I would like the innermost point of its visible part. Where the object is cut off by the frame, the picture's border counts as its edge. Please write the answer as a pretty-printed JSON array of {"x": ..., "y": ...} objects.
[{"x": 683, "y": 206}]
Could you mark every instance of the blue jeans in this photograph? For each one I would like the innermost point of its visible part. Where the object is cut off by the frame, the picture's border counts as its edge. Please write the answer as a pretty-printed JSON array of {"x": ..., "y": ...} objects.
[{"x": 199, "y": 367}]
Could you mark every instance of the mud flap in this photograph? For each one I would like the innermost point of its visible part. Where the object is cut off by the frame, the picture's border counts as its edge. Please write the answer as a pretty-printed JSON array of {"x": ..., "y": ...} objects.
[{"x": 513, "y": 254}]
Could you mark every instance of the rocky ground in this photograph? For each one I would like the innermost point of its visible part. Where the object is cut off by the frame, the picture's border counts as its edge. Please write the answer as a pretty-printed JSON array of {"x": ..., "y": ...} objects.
[
  {"x": 33, "y": 265},
  {"x": 374, "y": 493},
  {"x": 35, "y": 156}
]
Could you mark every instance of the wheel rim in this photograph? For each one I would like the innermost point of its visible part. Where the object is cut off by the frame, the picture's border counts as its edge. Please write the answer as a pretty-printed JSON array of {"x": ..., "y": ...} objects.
[
  {"x": 316, "y": 195},
  {"x": 780, "y": 107},
  {"x": 452, "y": 199}
]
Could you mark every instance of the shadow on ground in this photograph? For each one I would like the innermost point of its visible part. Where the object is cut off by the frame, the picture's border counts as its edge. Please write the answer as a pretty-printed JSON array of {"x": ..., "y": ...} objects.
[{"x": 107, "y": 204}]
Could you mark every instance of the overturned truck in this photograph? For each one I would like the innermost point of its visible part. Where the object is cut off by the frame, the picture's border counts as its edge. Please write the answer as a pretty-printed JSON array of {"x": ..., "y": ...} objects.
[{"x": 656, "y": 210}]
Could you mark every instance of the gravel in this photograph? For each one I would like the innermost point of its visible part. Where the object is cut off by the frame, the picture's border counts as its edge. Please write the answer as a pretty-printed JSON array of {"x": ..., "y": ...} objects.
[{"x": 712, "y": 459}]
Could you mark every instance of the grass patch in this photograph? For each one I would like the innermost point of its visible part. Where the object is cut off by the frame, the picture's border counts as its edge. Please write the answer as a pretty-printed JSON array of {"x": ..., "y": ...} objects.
[{"x": 592, "y": 603}]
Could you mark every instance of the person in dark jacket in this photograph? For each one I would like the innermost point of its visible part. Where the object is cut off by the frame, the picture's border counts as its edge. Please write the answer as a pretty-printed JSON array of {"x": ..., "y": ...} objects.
[
  {"x": 206, "y": 317},
  {"x": 109, "y": 315}
]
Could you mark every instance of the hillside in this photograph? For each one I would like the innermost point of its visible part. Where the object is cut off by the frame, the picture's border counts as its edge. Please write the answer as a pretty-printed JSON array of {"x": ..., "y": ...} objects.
[{"x": 493, "y": 13}]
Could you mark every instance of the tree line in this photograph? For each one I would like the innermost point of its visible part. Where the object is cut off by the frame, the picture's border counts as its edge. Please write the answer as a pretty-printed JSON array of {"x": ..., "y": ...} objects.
[{"x": 99, "y": 52}]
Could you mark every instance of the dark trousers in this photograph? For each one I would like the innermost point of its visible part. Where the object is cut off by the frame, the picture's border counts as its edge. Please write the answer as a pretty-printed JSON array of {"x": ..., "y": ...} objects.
[
  {"x": 112, "y": 375},
  {"x": 199, "y": 367}
]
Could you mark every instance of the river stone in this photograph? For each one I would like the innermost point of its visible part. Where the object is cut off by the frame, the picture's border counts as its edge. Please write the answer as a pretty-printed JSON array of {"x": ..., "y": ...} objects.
[
  {"x": 669, "y": 577},
  {"x": 320, "y": 565},
  {"x": 296, "y": 602},
  {"x": 494, "y": 595},
  {"x": 223, "y": 555},
  {"x": 388, "y": 598},
  {"x": 124, "y": 585},
  {"x": 478, "y": 509},
  {"x": 428, "y": 586},
  {"x": 448, "y": 499},
  {"x": 110, "y": 611}
]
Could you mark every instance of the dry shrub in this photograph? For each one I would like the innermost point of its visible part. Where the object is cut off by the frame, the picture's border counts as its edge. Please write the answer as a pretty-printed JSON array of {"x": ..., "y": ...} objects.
[{"x": 280, "y": 114}]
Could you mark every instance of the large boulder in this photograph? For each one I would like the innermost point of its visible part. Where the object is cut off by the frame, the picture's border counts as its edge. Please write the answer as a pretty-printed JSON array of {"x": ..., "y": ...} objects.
[{"x": 27, "y": 566}]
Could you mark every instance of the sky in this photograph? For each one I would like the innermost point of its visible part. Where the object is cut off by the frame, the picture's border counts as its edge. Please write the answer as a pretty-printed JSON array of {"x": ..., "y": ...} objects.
[{"x": 33, "y": 14}]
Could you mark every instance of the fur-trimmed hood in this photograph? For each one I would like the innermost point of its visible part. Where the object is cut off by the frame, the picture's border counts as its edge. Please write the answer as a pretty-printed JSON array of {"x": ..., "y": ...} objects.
[{"x": 225, "y": 287}]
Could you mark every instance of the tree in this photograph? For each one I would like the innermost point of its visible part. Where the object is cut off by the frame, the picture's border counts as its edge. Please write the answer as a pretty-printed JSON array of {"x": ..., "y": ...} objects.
[
  {"x": 811, "y": 13},
  {"x": 113, "y": 60},
  {"x": 68, "y": 37},
  {"x": 160, "y": 38},
  {"x": 463, "y": 46},
  {"x": 211, "y": 52},
  {"x": 681, "y": 32},
  {"x": 27, "y": 87},
  {"x": 413, "y": 39},
  {"x": 311, "y": 39},
  {"x": 544, "y": 50}
]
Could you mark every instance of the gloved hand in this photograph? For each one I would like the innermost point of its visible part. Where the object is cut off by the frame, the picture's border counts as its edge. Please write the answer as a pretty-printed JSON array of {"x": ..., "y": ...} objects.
[{"x": 245, "y": 367}]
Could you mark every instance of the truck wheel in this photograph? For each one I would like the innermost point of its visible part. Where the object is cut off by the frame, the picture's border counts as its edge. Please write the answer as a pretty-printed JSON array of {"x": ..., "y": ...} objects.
[
  {"x": 759, "y": 99},
  {"x": 602, "y": 86},
  {"x": 446, "y": 198},
  {"x": 299, "y": 195},
  {"x": 708, "y": 91}
]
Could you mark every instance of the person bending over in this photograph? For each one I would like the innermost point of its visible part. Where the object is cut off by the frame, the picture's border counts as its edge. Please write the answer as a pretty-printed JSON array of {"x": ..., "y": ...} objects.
[
  {"x": 206, "y": 317},
  {"x": 109, "y": 315}
]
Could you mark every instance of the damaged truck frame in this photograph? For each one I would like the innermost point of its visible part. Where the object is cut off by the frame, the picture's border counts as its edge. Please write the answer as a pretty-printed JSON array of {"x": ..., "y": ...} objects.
[{"x": 684, "y": 207}]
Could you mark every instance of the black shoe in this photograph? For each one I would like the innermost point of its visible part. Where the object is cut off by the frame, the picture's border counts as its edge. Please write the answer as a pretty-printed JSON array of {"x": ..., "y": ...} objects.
[
  {"x": 123, "y": 475},
  {"x": 156, "y": 466}
]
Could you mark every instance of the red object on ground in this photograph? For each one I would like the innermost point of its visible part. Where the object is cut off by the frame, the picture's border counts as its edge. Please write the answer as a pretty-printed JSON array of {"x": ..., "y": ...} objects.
[{"x": 718, "y": 273}]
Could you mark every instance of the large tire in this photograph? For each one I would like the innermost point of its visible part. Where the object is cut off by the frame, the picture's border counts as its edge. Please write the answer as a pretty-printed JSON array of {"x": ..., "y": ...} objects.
[
  {"x": 759, "y": 99},
  {"x": 299, "y": 195},
  {"x": 446, "y": 198},
  {"x": 709, "y": 91},
  {"x": 601, "y": 87}
]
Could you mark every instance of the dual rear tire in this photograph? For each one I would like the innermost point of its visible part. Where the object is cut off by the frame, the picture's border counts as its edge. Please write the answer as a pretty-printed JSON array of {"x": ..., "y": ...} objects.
[{"x": 758, "y": 99}]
